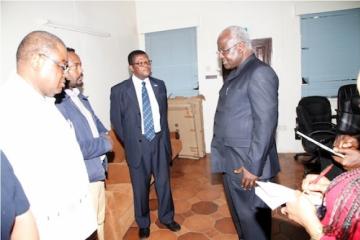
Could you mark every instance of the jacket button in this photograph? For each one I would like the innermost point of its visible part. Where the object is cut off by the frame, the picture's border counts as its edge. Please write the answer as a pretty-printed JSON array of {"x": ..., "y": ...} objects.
[{"x": 140, "y": 140}]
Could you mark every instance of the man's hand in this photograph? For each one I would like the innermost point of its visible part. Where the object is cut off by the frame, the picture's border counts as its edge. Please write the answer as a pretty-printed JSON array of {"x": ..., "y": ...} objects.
[{"x": 248, "y": 180}]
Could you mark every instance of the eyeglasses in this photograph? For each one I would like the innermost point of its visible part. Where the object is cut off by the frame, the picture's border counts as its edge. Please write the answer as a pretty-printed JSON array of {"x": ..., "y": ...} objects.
[
  {"x": 64, "y": 67},
  {"x": 226, "y": 51},
  {"x": 141, "y": 64}
]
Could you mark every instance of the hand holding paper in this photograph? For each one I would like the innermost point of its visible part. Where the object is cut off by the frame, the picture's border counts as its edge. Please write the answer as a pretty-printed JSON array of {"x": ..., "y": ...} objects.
[{"x": 274, "y": 195}]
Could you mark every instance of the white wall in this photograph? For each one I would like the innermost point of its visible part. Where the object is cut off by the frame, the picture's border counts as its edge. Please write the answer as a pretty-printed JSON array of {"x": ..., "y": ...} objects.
[
  {"x": 278, "y": 20},
  {"x": 104, "y": 59}
]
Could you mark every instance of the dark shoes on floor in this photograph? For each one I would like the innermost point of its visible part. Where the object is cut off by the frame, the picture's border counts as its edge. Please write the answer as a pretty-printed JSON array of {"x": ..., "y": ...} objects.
[
  {"x": 173, "y": 226},
  {"x": 144, "y": 233}
]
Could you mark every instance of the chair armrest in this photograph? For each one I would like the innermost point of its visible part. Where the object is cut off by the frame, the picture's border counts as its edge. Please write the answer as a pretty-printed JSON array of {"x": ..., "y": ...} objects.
[{"x": 316, "y": 124}]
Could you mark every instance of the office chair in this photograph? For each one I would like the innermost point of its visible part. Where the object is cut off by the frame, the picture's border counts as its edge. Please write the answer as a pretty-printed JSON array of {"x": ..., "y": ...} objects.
[
  {"x": 348, "y": 110},
  {"x": 345, "y": 93},
  {"x": 314, "y": 120},
  {"x": 349, "y": 118}
]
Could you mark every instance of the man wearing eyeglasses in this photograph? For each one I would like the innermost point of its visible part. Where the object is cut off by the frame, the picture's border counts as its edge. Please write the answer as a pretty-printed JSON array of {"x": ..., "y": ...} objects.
[
  {"x": 139, "y": 116},
  {"x": 243, "y": 146},
  {"x": 90, "y": 133},
  {"x": 41, "y": 144}
]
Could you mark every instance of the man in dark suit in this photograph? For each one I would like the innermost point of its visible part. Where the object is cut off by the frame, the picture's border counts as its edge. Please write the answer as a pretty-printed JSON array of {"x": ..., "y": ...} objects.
[
  {"x": 243, "y": 146},
  {"x": 139, "y": 117}
]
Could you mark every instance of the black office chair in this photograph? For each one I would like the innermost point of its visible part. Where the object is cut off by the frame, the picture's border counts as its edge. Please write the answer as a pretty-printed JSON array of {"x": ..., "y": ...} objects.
[
  {"x": 345, "y": 93},
  {"x": 314, "y": 119},
  {"x": 349, "y": 118},
  {"x": 348, "y": 110}
]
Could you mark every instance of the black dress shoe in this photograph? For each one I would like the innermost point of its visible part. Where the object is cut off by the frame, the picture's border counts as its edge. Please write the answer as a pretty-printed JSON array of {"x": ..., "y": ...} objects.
[
  {"x": 173, "y": 226},
  {"x": 144, "y": 232}
]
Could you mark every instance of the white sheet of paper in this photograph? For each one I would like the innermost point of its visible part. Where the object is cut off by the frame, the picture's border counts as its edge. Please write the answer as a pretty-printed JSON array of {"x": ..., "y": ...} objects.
[{"x": 274, "y": 195}]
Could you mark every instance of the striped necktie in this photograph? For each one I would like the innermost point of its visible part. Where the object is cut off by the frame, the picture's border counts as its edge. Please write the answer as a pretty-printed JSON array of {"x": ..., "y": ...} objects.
[{"x": 149, "y": 131}]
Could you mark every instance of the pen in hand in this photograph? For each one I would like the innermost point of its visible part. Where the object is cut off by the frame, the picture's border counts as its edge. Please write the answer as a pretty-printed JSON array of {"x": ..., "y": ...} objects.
[{"x": 322, "y": 174}]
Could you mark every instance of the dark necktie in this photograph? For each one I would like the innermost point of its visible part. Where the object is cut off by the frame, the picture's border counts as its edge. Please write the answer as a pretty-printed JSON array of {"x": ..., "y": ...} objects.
[{"x": 149, "y": 131}]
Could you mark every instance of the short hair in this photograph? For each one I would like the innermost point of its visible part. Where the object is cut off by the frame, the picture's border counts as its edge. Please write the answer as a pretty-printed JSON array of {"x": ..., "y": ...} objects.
[
  {"x": 240, "y": 34},
  {"x": 133, "y": 54},
  {"x": 37, "y": 42},
  {"x": 69, "y": 49}
]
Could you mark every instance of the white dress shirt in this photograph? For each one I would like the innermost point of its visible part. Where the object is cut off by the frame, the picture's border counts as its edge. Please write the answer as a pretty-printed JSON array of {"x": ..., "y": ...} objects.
[
  {"x": 42, "y": 148},
  {"x": 154, "y": 104}
]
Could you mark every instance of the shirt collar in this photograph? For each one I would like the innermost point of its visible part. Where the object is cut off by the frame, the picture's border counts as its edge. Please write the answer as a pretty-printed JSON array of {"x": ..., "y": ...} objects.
[
  {"x": 72, "y": 92},
  {"x": 29, "y": 89},
  {"x": 139, "y": 82}
]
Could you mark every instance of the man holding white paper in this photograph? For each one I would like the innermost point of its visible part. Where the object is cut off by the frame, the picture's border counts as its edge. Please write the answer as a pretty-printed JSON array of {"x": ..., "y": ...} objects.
[{"x": 243, "y": 146}]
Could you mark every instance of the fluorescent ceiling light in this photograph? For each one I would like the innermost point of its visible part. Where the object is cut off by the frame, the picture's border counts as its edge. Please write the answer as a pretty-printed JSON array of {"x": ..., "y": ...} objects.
[{"x": 74, "y": 28}]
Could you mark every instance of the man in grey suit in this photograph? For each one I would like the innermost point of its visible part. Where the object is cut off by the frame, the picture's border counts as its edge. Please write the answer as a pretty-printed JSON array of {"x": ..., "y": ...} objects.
[
  {"x": 243, "y": 146},
  {"x": 139, "y": 116}
]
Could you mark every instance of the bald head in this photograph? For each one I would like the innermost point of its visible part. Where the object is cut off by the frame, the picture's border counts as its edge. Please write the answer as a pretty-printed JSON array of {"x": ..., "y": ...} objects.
[
  {"x": 37, "y": 42},
  {"x": 41, "y": 60}
]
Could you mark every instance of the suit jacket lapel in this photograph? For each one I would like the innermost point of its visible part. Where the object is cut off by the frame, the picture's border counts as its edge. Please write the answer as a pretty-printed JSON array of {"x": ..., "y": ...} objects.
[
  {"x": 132, "y": 93},
  {"x": 155, "y": 88}
]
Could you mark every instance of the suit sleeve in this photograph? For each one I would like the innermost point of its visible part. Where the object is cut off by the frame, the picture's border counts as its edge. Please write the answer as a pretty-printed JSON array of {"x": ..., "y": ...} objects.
[
  {"x": 115, "y": 113},
  {"x": 167, "y": 131},
  {"x": 100, "y": 126},
  {"x": 263, "y": 94},
  {"x": 95, "y": 147}
]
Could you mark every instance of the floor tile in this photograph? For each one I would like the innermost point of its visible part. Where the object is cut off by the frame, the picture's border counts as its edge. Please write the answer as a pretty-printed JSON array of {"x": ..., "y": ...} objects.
[{"x": 201, "y": 208}]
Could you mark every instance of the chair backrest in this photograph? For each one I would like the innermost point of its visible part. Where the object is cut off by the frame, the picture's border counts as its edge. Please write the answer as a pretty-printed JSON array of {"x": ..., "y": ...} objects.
[
  {"x": 314, "y": 116},
  {"x": 345, "y": 94},
  {"x": 313, "y": 109},
  {"x": 349, "y": 118}
]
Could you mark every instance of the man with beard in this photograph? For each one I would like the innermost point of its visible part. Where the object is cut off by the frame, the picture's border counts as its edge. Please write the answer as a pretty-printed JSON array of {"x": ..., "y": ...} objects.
[
  {"x": 90, "y": 133},
  {"x": 40, "y": 143}
]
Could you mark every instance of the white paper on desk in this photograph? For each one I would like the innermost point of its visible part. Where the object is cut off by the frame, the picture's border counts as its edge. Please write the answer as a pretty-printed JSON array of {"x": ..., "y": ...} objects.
[{"x": 274, "y": 195}]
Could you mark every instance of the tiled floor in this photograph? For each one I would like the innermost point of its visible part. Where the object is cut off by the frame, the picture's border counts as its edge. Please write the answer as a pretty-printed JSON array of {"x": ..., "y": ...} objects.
[{"x": 201, "y": 207}]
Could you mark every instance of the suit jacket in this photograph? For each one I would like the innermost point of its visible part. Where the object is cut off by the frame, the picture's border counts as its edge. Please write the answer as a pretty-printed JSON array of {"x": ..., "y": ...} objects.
[
  {"x": 125, "y": 118},
  {"x": 246, "y": 120},
  {"x": 91, "y": 148}
]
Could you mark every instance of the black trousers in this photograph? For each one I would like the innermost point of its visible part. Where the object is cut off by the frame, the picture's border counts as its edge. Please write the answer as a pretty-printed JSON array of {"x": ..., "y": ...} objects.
[
  {"x": 251, "y": 216},
  {"x": 154, "y": 162}
]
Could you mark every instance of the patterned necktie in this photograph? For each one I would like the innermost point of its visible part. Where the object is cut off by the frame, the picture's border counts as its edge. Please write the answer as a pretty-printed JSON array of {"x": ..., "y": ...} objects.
[{"x": 149, "y": 131}]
